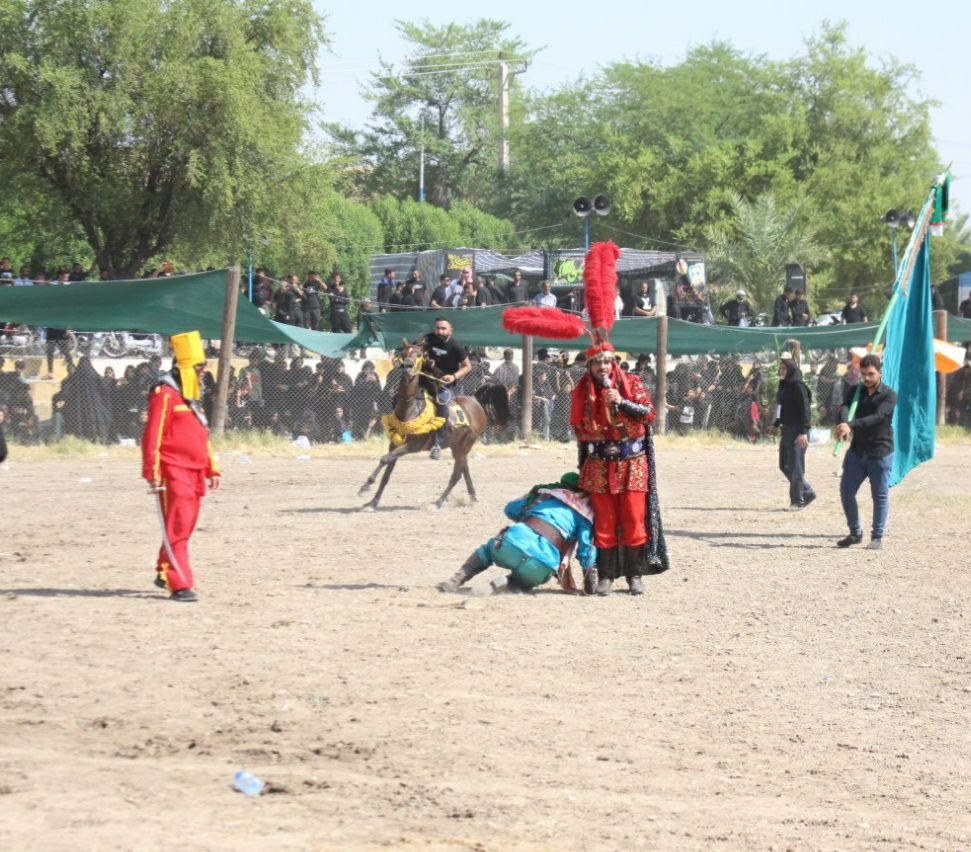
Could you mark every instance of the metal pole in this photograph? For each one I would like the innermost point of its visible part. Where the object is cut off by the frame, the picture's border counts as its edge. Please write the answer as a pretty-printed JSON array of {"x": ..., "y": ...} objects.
[
  {"x": 249, "y": 272},
  {"x": 503, "y": 116},
  {"x": 661, "y": 370},
  {"x": 896, "y": 266},
  {"x": 940, "y": 332},
  {"x": 586, "y": 234},
  {"x": 421, "y": 159},
  {"x": 526, "y": 397},
  {"x": 226, "y": 336}
]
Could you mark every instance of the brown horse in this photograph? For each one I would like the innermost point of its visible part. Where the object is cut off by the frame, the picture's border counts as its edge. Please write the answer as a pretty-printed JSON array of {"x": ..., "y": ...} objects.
[{"x": 410, "y": 405}]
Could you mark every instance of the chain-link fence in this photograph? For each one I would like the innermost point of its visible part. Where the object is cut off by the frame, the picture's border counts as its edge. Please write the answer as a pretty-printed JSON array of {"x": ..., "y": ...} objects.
[{"x": 44, "y": 398}]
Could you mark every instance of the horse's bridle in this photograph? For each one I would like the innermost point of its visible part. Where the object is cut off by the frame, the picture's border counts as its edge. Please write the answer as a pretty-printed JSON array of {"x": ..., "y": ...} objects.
[{"x": 415, "y": 369}]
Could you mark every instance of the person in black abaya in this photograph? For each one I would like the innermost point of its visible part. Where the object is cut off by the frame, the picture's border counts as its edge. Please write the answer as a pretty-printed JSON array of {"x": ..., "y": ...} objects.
[{"x": 87, "y": 403}]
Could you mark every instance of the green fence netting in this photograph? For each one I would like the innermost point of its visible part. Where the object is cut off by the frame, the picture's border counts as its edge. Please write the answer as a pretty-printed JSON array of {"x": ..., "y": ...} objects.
[{"x": 158, "y": 306}]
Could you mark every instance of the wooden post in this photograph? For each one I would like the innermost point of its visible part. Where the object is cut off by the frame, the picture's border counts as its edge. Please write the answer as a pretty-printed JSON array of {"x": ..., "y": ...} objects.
[
  {"x": 526, "y": 395},
  {"x": 226, "y": 337},
  {"x": 661, "y": 369},
  {"x": 940, "y": 332}
]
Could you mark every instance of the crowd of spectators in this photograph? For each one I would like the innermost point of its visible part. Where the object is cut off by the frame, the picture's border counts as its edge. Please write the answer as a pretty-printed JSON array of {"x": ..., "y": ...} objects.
[{"x": 293, "y": 397}]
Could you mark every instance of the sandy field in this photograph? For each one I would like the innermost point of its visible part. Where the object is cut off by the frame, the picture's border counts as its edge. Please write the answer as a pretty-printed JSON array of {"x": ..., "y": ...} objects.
[{"x": 770, "y": 691}]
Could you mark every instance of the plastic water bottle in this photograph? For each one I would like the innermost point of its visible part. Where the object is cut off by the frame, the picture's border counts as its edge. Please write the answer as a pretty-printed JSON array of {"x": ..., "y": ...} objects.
[{"x": 247, "y": 783}]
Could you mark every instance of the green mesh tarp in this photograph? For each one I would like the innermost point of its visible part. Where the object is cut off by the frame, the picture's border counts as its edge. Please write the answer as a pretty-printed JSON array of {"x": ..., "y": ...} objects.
[
  {"x": 157, "y": 306},
  {"x": 483, "y": 327}
]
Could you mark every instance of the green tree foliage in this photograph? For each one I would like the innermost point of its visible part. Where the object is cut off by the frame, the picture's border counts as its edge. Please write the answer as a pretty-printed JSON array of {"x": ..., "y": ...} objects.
[
  {"x": 442, "y": 99},
  {"x": 827, "y": 133},
  {"x": 147, "y": 123},
  {"x": 410, "y": 226},
  {"x": 757, "y": 241}
]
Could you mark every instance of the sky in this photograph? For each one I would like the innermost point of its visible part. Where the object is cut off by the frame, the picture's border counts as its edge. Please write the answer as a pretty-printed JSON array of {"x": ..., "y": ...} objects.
[{"x": 931, "y": 36}]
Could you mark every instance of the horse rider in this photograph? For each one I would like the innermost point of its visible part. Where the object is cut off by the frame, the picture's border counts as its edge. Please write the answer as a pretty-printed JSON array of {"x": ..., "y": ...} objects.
[
  {"x": 548, "y": 522},
  {"x": 449, "y": 363}
]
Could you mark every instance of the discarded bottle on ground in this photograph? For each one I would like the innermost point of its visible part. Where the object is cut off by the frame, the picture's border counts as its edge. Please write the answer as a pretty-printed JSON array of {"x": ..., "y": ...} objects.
[{"x": 247, "y": 783}]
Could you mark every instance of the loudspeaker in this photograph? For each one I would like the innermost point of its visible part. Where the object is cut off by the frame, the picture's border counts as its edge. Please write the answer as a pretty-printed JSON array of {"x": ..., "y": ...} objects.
[
  {"x": 601, "y": 205},
  {"x": 891, "y": 218},
  {"x": 796, "y": 277},
  {"x": 582, "y": 206}
]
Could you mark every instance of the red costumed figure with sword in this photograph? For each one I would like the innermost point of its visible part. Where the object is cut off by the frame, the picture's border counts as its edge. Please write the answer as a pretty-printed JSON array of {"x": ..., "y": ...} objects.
[
  {"x": 611, "y": 413},
  {"x": 177, "y": 461}
]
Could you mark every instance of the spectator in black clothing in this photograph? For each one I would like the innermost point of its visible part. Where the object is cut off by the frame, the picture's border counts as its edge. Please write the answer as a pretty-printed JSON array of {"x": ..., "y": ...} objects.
[
  {"x": 439, "y": 297},
  {"x": 365, "y": 416},
  {"x": 497, "y": 296},
  {"x": 799, "y": 309},
  {"x": 313, "y": 288},
  {"x": 340, "y": 300},
  {"x": 965, "y": 308},
  {"x": 737, "y": 311},
  {"x": 780, "y": 308},
  {"x": 386, "y": 288},
  {"x": 87, "y": 403},
  {"x": 77, "y": 274},
  {"x": 482, "y": 297},
  {"x": 517, "y": 294},
  {"x": 287, "y": 303},
  {"x": 262, "y": 291},
  {"x": 853, "y": 310},
  {"x": 793, "y": 418}
]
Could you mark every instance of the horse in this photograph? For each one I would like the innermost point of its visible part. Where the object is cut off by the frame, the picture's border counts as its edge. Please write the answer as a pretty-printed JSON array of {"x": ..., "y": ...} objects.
[{"x": 409, "y": 407}]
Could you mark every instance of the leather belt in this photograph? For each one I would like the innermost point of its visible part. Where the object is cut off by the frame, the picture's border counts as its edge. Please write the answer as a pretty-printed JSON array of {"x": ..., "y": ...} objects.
[
  {"x": 547, "y": 531},
  {"x": 615, "y": 450}
]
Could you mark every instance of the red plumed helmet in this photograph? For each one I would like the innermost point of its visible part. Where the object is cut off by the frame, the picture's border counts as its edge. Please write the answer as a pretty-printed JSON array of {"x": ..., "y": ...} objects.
[
  {"x": 600, "y": 286},
  {"x": 543, "y": 322}
]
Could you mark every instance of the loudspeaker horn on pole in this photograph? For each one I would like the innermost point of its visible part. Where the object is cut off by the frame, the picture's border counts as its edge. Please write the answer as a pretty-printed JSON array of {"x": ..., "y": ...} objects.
[
  {"x": 892, "y": 218},
  {"x": 601, "y": 205},
  {"x": 582, "y": 206}
]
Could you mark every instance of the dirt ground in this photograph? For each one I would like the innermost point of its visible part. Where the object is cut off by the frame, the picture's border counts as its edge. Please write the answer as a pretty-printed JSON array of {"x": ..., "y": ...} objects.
[{"x": 770, "y": 691}]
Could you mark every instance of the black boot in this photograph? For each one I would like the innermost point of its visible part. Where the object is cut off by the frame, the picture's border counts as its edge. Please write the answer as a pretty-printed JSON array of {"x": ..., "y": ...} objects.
[
  {"x": 633, "y": 568},
  {"x": 590, "y": 580},
  {"x": 608, "y": 569},
  {"x": 472, "y": 566}
]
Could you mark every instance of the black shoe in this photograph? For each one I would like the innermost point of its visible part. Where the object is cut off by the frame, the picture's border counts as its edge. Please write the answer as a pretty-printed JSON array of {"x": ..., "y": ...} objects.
[
  {"x": 184, "y": 595},
  {"x": 796, "y": 507},
  {"x": 158, "y": 581},
  {"x": 852, "y": 538},
  {"x": 808, "y": 499}
]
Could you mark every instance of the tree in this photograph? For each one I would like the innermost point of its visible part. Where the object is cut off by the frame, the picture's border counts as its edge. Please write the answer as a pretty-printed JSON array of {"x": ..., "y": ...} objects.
[
  {"x": 443, "y": 100},
  {"x": 148, "y": 123},
  {"x": 752, "y": 250}
]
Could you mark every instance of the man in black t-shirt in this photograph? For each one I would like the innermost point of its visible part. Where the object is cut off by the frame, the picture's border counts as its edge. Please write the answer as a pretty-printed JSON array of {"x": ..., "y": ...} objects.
[
  {"x": 312, "y": 289},
  {"x": 340, "y": 318},
  {"x": 517, "y": 289},
  {"x": 870, "y": 455},
  {"x": 853, "y": 310},
  {"x": 448, "y": 362}
]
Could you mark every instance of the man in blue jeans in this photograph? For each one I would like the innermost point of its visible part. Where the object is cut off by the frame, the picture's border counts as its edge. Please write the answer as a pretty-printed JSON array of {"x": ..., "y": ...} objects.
[{"x": 870, "y": 455}]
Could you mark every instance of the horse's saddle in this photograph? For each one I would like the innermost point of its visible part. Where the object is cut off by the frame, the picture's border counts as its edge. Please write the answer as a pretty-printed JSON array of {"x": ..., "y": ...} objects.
[{"x": 457, "y": 418}]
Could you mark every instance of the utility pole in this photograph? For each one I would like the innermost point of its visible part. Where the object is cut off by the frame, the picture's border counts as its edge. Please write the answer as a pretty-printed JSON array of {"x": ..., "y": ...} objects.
[
  {"x": 421, "y": 160},
  {"x": 503, "y": 115}
]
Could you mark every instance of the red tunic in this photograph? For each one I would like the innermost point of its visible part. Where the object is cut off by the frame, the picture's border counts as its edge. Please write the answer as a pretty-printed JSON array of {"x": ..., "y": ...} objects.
[{"x": 175, "y": 451}]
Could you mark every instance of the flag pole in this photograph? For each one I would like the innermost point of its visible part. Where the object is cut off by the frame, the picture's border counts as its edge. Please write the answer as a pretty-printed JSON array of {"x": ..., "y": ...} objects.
[{"x": 917, "y": 238}]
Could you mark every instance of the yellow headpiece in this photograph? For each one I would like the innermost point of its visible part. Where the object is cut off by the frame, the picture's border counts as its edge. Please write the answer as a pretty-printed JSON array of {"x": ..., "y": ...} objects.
[{"x": 187, "y": 350}]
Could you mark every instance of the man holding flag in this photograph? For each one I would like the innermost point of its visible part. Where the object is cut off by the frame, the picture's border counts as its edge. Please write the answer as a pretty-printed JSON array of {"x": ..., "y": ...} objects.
[{"x": 870, "y": 455}]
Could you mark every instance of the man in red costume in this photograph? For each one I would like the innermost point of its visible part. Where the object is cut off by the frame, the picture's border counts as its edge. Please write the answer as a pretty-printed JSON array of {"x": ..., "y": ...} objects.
[
  {"x": 177, "y": 461},
  {"x": 610, "y": 414}
]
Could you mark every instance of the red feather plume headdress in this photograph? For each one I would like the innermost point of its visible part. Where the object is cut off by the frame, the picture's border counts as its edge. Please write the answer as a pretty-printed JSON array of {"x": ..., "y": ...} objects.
[{"x": 599, "y": 289}]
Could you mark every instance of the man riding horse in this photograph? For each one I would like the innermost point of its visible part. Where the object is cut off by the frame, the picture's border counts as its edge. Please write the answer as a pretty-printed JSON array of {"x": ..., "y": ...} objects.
[{"x": 449, "y": 363}]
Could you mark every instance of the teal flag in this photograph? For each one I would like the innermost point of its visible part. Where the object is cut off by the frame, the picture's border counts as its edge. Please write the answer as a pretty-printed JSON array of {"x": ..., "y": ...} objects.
[{"x": 908, "y": 367}]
